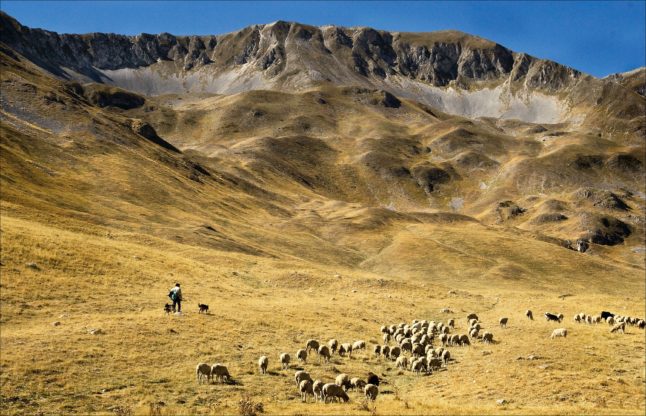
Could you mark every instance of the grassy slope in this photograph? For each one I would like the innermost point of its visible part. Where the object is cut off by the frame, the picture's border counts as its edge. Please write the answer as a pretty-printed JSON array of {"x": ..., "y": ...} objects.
[{"x": 112, "y": 221}]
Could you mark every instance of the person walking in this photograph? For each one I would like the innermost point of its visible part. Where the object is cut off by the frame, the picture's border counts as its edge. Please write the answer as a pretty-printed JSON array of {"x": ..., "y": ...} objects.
[{"x": 175, "y": 295}]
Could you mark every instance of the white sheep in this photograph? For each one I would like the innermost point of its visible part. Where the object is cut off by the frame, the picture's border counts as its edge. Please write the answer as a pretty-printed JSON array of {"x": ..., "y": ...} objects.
[
  {"x": 343, "y": 380},
  {"x": 306, "y": 387},
  {"x": 377, "y": 350},
  {"x": 358, "y": 345},
  {"x": 284, "y": 360},
  {"x": 263, "y": 363},
  {"x": 301, "y": 355},
  {"x": 203, "y": 371},
  {"x": 311, "y": 344},
  {"x": 317, "y": 388},
  {"x": 619, "y": 327},
  {"x": 446, "y": 356},
  {"x": 331, "y": 391},
  {"x": 559, "y": 332},
  {"x": 402, "y": 362},
  {"x": 324, "y": 352},
  {"x": 357, "y": 383},
  {"x": 300, "y": 376},
  {"x": 503, "y": 322},
  {"x": 487, "y": 337},
  {"x": 371, "y": 391},
  {"x": 333, "y": 344},
  {"x": 220, "y": 372},
  {"x": 345, "y": 348}
]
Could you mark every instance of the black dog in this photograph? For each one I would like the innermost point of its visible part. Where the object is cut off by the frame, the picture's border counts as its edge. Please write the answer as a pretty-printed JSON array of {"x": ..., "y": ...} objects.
[
  {"x": 203, "y": 308},
  {"x": 606, "y": 315},
  {"x": 551, "y": 317},
  {"x": 167, "y": 308}
]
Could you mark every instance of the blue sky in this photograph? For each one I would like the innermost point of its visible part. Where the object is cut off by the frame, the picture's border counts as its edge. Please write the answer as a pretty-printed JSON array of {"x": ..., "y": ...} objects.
[{"x": 596, "y": 37}]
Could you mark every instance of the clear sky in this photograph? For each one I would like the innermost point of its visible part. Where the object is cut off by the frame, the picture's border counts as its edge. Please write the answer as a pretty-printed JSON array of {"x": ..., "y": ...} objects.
[{"x": 597, "y": 37}]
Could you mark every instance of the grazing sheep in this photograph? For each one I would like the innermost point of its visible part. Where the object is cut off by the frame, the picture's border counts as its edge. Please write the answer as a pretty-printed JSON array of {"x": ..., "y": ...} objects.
[
  {"x": 444, "y": 338},
  {"x": 529, "y": 315},
  {"x": 306, "y": 387},
  {"x": 332, "y": 391},
  {"x": 371, "y": 391},
  {"x": 446, "y": 329},
  {"x": 588, "y": 319},
  {"x": 559, "y": 332},
  {"x": 487, "y": 337},
  {"x": 464, "y": 340},
  {"x": 311, "y": 344},
  {"x": 220, "y": 372},
  {"x": 284, "y": 360},
  {"x": 333, "y": 344},
  {"x": 434, "y": 364},
  {"x": 472, "y": 322},
  {"x": 345, "y": 348},
  {"x": 317, "y": 388},
  {"x": 641, "y": 324},
  {"x": 418, "y": 350},
  {"x": 203, "y": 371},
  {"x": 358, "y": 345},
  {"x": 395, "y": 352},
  {"x": 446, "y": 356},
  {"x": 385, "y": 351},
  {"x": 610, "y": 320},
  {"x": 263, "y": 362},
  {"x": 454, "y": 340},
  {"x": 384, "y": 329},
  {"x": 472, "y": 316},
  {"x": 406, "y": 345},
  {"x": 300, "y": 376},
  {"x": 477, "y": 326},
  {"x": 377, "y": 350},
  {"x": 343, "y": 380},
  {"x": 401, "y": 362},
  {"x": 473, "y": 333},
  {"x": 357, "y": 383},
  {"x": 619, "y": 327},
  {"x": 577, "y": 318},
  {"x": 324, "y": 352},
  {"x": 386, "y": 337},
  {"x": 373, "y": 379},
  {"x": 451, "y": 323},
  {"x": 418, "y": 366},
  {"x": 301, "y": 355},
  {"x": 503, "y": 322}
]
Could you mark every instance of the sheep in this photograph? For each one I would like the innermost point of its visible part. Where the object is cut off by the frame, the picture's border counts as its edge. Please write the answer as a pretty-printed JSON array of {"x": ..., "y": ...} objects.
[
  {"x": 300, "y": 376},
  {"x": 472, "y": 322},
  {"x": 406, "y": 345},
  {"x": 446, "y": 356},
  {"x": 464, "y": 340},
  {"x": 552, "y": 317},
  {"x": 385, "y": 351},
  {"x": 333, "y": 344},
  {"x": 343, "y": 380},
  {"x": 434, "y": 364},
  {"x": 284, "y": 360},
  {"x": 220, "y": 372},
  {"x": 345, "y": 348},
  {"x": 203, "y": 370},
  {"x": 395, "y": 352},
  {"x": 263, "y": 362},
  {"x": 358, "y": 345},
  {"x": 386, "y": 337},
  {"x": 529, "y": 315},
  {"x": 577, "y": 318},
  {"x": 301, "y": 355},
  {"x": 477, "y": 326},
  {"x": 439, "y": 351},
  {"x": 596, "y": 319},
  {"x": 373, "y": 379},
  {"x": 446, "y": 330},
  {"x": 588, "y": 319},
  {"x": 641, "y": 324},
  {"x": 306, "y": 387},
  {"x": 428, "y": 349},
  {"x": 472, "y": 316},
  {"x": 451, "y": 323},
  {"x": 619, "y": 327},
  {"x": 503, "y": 322},
  {"x": 487, "y": 337},
  {"x": 377, "y": 350},
  {"x": 371, "y": 391},
  {"x": 384, "y": 329},
  {"x": 332, "y": 392},
  {"x": 418, "y": 366},
  {"x": 357, "y": 383},
  {"x": 324, "y": 352},
  {"x": 444, "y": 338},
  {"x": 560, "y": 316},
  {"x": 473, "y": 333},
  {"x": 418, "y": 350},
  {"x": 401, "y": 362},
  {"x": 454, "y": 339},
  {"x": 610, "y": 320},
  {"x": 559, "y": 332},
  {"x": 317, "y": 388},
  {"x": 311, "y": 344}
]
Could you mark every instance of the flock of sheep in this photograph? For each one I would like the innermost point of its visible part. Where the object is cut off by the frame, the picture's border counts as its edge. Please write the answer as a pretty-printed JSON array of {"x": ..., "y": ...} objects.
[{"x": 412, "y": 349}]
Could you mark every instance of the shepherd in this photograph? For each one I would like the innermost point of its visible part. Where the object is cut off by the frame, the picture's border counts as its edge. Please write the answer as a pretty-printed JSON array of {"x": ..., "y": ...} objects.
[{"x": 175, "y": 295}]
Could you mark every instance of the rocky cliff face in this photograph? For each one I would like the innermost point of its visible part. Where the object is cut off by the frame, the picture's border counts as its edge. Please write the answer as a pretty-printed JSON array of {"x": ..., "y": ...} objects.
[{"x": 436, "y": 58}]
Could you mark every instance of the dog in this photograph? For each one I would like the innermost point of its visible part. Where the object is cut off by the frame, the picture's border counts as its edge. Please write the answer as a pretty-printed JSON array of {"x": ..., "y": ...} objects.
[
  {"x": 167, "y": 308},
  {"x": 203, "y": 308}
]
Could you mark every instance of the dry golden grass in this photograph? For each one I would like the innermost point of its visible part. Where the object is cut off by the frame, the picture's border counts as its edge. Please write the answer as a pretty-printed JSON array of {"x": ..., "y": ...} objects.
[{"x": 265, "y": 307}]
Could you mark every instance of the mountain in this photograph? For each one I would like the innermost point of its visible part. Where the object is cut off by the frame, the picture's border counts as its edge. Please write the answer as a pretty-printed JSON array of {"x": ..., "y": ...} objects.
[{"x": 296, "y": 177}]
